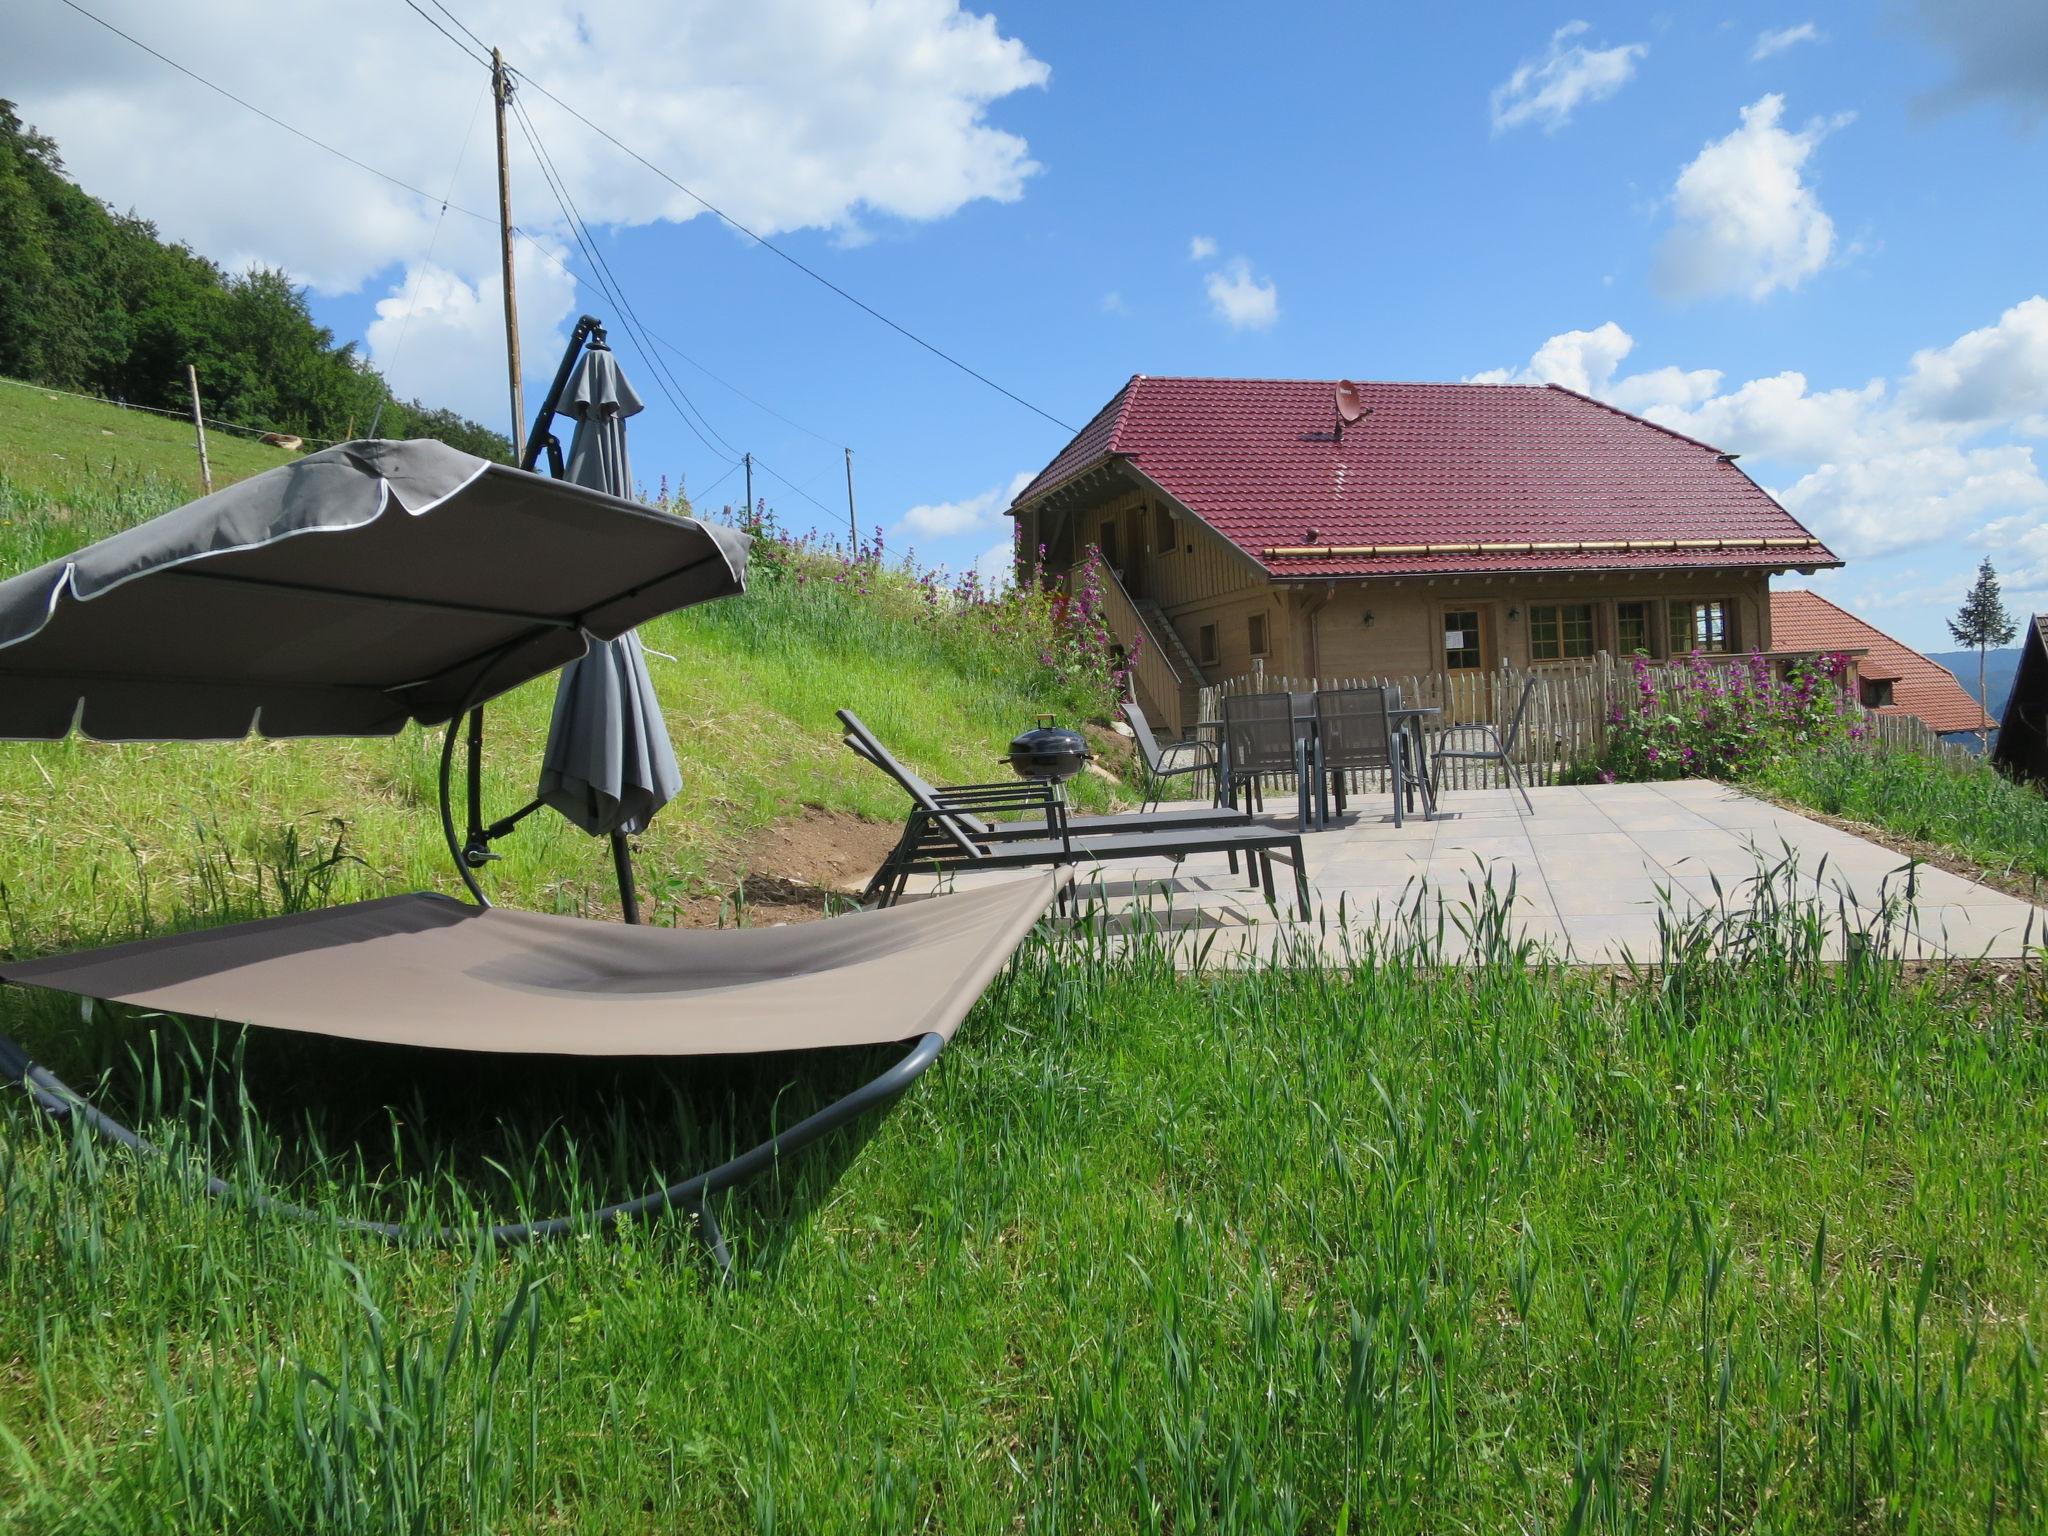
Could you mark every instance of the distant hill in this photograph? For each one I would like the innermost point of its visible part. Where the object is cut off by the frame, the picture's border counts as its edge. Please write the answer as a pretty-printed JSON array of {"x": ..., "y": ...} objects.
[{"x": 1999, "y": 667}]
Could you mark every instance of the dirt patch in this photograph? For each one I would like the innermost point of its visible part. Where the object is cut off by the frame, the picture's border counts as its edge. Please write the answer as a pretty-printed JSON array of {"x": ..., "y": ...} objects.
[
  {"x": 1936, "y": 855},
  {"x": 795, "y": 871}
]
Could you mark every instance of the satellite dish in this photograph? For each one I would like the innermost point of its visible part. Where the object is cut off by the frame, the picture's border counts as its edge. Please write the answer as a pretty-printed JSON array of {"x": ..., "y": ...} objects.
[{"x": 1349, "y": 407}]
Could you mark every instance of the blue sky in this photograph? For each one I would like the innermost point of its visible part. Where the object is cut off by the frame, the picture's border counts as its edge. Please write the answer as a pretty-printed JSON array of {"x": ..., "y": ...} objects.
[{"x": 1808, "y": 235}]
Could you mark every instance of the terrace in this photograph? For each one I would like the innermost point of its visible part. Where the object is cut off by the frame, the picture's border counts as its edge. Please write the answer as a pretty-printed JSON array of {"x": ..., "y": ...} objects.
[{"x": 1590, "y": 875}]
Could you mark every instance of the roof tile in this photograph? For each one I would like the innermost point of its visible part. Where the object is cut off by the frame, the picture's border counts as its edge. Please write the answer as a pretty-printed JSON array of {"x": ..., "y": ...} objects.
[{"x": 1261, "y": 462}]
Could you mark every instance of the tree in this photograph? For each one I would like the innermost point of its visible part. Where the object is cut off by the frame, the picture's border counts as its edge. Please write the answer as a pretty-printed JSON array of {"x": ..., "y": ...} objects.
[{"x": 1982, "y": 622}]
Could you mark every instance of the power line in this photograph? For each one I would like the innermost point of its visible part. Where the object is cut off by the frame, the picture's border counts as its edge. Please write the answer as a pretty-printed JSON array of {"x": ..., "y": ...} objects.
[
  {"x": 418, "y": 192},
  {"x": 485, "y": 60},
  {"x": 298, "y": 133},
  {"x": 480, "y": 43},
  {"x": 760, "y": 463},
  {"x": 587, "y": 241},
  {"x": 600, "y": 275},
  {"x": 808, "y": 271}
]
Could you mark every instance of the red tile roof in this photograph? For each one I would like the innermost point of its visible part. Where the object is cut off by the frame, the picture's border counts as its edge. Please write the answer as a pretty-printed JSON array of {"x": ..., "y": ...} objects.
[
  {"x": 1806, "y": 621},
  {"x": 1510, "y": 477}
]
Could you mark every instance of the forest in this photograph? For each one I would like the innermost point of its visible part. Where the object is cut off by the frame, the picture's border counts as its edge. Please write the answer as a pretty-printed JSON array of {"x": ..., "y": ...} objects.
[{"x": 91, "y": 299}]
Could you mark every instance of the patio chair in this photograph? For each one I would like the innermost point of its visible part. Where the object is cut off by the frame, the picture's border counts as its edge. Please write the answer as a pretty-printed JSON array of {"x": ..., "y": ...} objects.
[
  {"x": 1482, "y": 742},
  {"x": 1353, "y": 734},
  {"x": 1260, "y": 738},
  {"x": 938, "y": 838},
  {"x": 438, "y": 582},
  {"x": 966, "y": 800},
  {"x": 1158, "y": 760}
]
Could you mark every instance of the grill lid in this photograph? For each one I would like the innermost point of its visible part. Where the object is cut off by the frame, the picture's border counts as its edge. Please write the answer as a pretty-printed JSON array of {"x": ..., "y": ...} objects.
[{"x": 1049, "y": 751}]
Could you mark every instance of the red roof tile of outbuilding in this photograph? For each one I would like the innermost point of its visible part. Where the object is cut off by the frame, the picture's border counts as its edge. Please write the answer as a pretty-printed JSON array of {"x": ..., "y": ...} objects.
[
  {"x": 1260, "y": 461},
  {"x": 1806, "y": 621}
]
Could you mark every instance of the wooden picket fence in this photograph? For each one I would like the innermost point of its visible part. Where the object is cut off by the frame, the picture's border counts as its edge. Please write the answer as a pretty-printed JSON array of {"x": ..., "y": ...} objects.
[{"x": 1566, "y": 722}]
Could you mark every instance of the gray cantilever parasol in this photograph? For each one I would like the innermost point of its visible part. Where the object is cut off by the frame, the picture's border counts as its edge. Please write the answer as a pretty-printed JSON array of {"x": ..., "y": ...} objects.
[{"x": 608, "y": 765}]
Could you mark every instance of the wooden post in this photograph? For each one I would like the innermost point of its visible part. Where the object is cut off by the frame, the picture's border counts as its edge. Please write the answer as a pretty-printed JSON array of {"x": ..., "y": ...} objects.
[
  {"x": 199, "y": 428},
  {"x": 750, "y": 483},
  {"x": 501, "y": 93},
  {"x": 852, "y": 524}
]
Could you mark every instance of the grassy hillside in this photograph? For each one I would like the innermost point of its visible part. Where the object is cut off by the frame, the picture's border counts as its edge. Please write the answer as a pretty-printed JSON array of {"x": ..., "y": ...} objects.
[{"x": 99, "y": 840}]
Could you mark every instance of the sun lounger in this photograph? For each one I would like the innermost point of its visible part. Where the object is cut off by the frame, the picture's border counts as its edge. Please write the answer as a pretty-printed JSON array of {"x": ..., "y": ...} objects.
[
  {"x": 438, "y": 581},
  {"x": 937, "y": 838},
  {"x": 1026, "y": 800}
]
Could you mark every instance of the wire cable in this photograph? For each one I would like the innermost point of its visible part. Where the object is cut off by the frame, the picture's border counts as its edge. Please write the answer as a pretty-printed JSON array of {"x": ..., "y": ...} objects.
[
  {"x": 760, "y": 463},
  {"x": 808, "y": 271},
  {"x": 587, "y": 241},
  {"x": 603, "y": 285},
  {"x": 420, "y": 272},
  {"x": 485, "y": 60}
]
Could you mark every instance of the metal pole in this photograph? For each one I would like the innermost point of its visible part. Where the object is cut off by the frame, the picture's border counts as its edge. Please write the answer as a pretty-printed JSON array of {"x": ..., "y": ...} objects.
[
  {"x": 852, "y": 526},
  {"x": 501, "y": 93},
  {"x": 199, "y": 427}
]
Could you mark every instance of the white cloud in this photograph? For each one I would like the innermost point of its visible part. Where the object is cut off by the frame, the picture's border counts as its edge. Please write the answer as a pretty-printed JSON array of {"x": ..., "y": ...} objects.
[
  {"x": 1892, "y": 501},
  {"x": 789, "y": 114},
  {"x": 1746, "y": 222},
  {"x": 1580, "y": 360},
  {"x": 1769, "y": 42},
  {"x": 1201, "y": 248},
  {"x": 2000, "y": 49},
  {"x": 996, "y": 566},
  {"x": 1873, "y": 468},
  {"x": 1549, "y": 89},
  {"x": 1112, "y": 303},
  {"x": 1997, "y": 372},
  {"x": 1240, "y": 300},
  {"x": 451, "y": 352},
  {"x": 950, "y": 519}
]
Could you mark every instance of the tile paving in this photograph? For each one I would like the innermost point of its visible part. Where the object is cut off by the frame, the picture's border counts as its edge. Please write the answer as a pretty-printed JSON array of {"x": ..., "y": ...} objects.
[{"x": 1593, "y": 872}]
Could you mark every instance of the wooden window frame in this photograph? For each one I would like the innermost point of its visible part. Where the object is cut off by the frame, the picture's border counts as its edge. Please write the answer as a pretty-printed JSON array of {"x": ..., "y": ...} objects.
[
  {"x": 1208, "y": 645},
  {"x": 1653, "y": 640},
  {"x": 1563, "y": 657},
  {"x": 1731, "y": 641},
  {"x": 1484, "y": 630},
  {"x": 1165, "y": 530},
  {"x": 1258, "y": 635}
]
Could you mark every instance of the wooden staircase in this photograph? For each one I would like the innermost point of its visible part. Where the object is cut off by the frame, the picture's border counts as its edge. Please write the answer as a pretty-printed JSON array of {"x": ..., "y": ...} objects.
[{"x": 1165, "y": 678}]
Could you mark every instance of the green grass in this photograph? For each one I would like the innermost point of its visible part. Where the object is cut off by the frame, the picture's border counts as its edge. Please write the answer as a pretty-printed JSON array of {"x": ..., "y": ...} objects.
[
  {"x": 113, "y": 839},
  {"x": 1399, "y": 1249},
  {"x": 1965, "y": 806},
  {"x": 53, "y": 443},
  {"x": 1743, "y": 1244}
]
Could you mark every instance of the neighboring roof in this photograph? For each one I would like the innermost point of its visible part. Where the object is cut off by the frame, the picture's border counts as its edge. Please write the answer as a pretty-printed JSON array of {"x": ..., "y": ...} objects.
[
  {"x": 2022, "y": 743},
  {"x": 342, "y": 594},
  {"x": 1438, "y": 477},
  {"x": 1806, "y": 621}
]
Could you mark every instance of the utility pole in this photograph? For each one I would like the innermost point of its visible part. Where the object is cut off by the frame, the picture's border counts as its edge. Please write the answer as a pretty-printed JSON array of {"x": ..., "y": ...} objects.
[
  {"x": 852, "y": 526},
  {"x": 750, "y": 486},
  {"x": 501, "y": 93},
  {"x": 199, "y": 427}
]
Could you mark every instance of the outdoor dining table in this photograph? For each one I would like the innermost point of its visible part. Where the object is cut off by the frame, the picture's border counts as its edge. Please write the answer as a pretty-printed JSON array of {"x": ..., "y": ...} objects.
[{"x": 1404, "y": 720}]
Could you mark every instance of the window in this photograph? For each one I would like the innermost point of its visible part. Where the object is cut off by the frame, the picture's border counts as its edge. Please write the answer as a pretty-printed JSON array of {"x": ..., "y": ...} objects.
[
  {"x": 1255, "y": 634},
  {"x": 1107, "y": 544},
  {"x": 1163, "y": 533},
  {"x": 1560, "y": 631},
  {"x": 1876, "y": 692},
  {"x": 1461, "y": 640},
  {"x": 1633, "y": 628},
  {"x": 1700, "y": 624},
  {"x": 1205, "y": 645}
]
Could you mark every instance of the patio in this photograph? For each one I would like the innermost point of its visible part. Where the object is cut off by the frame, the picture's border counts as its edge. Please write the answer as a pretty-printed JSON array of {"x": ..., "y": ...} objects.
[{"x": 1590, "y": 872}]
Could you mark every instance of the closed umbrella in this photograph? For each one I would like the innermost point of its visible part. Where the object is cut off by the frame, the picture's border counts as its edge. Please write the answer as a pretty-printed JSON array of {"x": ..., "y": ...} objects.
[{"x": 608, "y": 766}]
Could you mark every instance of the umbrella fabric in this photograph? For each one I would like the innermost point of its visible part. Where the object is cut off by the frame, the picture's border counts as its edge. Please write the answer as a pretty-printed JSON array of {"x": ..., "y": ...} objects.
[
  {"x": 608, "y": 765},
  {"x": 343, "y": 594}
]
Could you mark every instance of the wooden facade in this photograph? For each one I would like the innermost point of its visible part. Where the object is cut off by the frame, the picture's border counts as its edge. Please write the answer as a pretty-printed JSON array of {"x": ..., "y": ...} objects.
[{"x": 1228, "y": 617}]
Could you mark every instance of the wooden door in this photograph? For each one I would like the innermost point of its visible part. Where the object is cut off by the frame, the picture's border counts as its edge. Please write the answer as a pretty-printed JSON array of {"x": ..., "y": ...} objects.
[{"x": 1468, "y": 659}]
